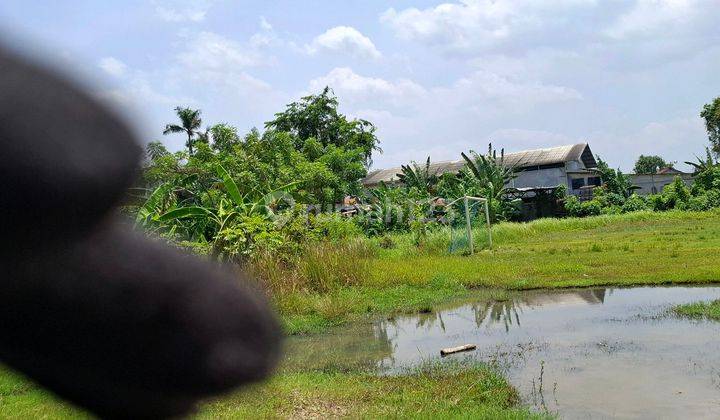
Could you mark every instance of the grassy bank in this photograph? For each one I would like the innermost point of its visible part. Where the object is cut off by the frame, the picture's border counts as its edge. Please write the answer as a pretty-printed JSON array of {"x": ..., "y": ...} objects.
[
  {"x": 708, "y": 310},
  {"x": 433, "y": 391},
  {"x": 615, "y": 250}
]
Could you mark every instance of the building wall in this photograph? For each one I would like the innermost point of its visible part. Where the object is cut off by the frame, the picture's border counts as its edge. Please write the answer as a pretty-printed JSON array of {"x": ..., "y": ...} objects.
[
  {"x": 658, "y": 181},
  {"x": 551, "y": 177}
]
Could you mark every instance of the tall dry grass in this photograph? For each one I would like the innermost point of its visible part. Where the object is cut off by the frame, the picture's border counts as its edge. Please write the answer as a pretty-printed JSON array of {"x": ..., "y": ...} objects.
[{"x": 320, "y": 267}]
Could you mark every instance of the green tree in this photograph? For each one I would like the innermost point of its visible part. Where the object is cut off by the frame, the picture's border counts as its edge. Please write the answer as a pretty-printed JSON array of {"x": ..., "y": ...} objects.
[
  {"x": 317, "y": 116},
  {"x": 650, "y": 164},
  {"x": 711, "y": 114},
  {"x": 189, "y": 124},
  {"x": 224, "y": 137},
  {"x": 614, "y": 181},
  {"x": 333, "y": 144}
]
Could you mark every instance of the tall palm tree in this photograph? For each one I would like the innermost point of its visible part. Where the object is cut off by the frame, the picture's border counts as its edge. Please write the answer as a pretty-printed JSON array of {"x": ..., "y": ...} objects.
[{"x": 189, "y": 124}]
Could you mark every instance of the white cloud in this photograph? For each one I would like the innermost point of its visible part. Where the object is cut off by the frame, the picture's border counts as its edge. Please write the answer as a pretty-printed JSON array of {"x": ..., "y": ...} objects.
[
  {"x": 207, "y": 71},
  {"x": 266, "y": 37},
  {"x": 112, "y": 66},
  {"x": 356, "y": 88},
  {"x": 480, "y": 91},
  {"x": 208, "y": 51},
  {"x": 611, "y": 30},
  {"x": 264, "y": 24},
  {"x": 483, "y": 84},
  {"x": 514, "y": 139},
  {"x": 475, "y": 25},
  {"x": 344, "y": 39},
  {"x": 656, "y": 17},
  {"x": 457, "y": 24},
  {"x": 677, "y": 139},
  {"x": 139, "y": 92},
  {"x": 182, "y": 11},
  {"x": 220, "y": 66}
]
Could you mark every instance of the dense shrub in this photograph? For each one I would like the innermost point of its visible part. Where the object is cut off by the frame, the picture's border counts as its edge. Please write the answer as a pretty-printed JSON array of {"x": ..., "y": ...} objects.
[
  {"x": 575, "y": 208},
  {"x": 705, "y": 201},
  {"x": 706, "y": 180},
  {"x": 612, "y": 209},
  {"x": 336, "y": 227},
  {"x": 704, "y": 195},
  {"x": 635, "y": 203}
]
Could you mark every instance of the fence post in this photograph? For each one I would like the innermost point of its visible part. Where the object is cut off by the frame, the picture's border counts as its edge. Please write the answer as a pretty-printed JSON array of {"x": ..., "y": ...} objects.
[
  {"x": 487, "y": 222},
  {"x": 467, "y": 224}
]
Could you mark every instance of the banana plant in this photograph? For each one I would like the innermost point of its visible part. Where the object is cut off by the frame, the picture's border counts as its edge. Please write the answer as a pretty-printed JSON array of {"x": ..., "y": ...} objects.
[
  {"x": 490, "y": 177},
  {"x": 420, "y": 177},
  {"x": 147, "y": 213},
  {"x": 207, "y": 221}
]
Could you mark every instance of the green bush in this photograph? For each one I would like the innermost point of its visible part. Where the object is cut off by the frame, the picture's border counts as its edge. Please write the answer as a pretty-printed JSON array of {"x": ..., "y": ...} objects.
[
  {"x": 677, "y": 194},
  {"x": 336, "y": 227},
  {"x": 706, "y": 201},
  {"x": 634, "y": 203},
  {"x": 706, "y": 180},
  {"x": 656, "y": 202},
  {"x": 320, "y": 267},
  {"x": 572, "y": 206},
  {"x": 611, "y": 209},
  {"x": 249, "y": 234},
  {"x": 575, "y": 208}
]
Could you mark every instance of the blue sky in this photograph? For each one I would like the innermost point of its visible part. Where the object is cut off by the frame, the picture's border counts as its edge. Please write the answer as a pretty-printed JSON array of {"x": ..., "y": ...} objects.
[{"x": 629, "y": 77}]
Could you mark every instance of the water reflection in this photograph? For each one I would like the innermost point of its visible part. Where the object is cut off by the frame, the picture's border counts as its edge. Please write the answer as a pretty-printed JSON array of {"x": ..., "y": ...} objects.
[
  {"x": 508, "y": 312},
  {"x": 374, "y": 346},
  {"x": 591, "y": 342}
]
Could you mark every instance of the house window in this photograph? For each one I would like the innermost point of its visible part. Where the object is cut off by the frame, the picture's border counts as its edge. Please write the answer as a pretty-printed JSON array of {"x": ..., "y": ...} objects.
[
  {"x": 578, "y": 183},
  {"x": 595, "y": 181}
]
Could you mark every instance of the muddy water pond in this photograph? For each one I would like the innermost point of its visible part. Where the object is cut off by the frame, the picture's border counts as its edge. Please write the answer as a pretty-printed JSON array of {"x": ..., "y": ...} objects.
[{"x": 585, "y": 353}]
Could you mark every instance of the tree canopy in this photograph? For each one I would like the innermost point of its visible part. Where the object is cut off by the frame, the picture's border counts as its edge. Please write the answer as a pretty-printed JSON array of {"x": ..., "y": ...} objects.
[
  {"x": 650, "y": 164},
  {"x": 310, "y": 144},
  {"x": 711, "y": 114},
  {"x": 315, "y": 118}
]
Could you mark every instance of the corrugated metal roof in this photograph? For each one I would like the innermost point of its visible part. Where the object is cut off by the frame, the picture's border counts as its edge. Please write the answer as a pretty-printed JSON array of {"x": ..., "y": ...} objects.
[{"x": 524, "y": 159}]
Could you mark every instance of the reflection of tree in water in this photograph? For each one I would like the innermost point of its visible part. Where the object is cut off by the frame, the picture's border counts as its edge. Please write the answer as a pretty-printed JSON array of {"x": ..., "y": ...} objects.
[
  {"x": 508, "y": 311},
  {"x": 370, "y": 346},
  {"x": 360, "y": 347},
  {"x": 495, "y": 312},
  {"x": 429, "y": 319}
]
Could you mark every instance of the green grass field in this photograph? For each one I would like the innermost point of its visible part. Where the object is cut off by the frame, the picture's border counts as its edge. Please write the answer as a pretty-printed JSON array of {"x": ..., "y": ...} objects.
[{"x": 619, "y": 250}]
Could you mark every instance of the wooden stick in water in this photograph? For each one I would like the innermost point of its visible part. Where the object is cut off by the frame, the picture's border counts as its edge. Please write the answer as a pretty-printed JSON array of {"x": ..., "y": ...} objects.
[{"x": 451, "y": 350}]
